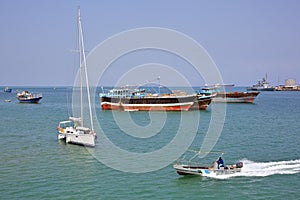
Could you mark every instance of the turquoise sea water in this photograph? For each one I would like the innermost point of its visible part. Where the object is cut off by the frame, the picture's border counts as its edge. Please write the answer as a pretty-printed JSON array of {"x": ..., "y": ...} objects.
[{"x": 34, "y": 165}]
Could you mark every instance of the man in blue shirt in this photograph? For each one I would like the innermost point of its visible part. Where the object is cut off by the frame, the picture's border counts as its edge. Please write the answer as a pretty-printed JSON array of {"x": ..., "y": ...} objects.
[{"x": 220, "y": 162}]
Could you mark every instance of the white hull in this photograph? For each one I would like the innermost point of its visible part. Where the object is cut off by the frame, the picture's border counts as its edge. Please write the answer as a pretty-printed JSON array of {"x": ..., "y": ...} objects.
[
  {"x": 80, "y": 135},
  {"x": 81, "y": 139}
]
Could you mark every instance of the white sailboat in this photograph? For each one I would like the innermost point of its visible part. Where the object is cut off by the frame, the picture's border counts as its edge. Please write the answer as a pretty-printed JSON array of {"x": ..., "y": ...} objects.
[{"x": 73, "y": 130}]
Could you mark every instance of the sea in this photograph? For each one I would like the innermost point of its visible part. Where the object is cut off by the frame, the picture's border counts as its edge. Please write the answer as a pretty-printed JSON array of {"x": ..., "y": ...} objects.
[{"x": 265, "y": 136}]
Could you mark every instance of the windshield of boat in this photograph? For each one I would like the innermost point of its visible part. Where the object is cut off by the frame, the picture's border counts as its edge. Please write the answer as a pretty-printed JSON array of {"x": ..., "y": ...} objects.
[{"x": 65, "y": 124}]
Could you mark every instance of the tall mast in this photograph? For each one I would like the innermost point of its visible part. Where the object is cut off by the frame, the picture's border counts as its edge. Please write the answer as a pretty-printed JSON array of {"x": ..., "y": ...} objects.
[
  {"x": 85, "y": 69},
  {"x": 159, "y": 86},
  {"x": 80, "y": 68}
]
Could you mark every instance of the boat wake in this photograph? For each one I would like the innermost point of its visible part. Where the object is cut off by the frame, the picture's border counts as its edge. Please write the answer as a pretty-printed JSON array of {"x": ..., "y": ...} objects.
[{"x": 262, "y": 169}]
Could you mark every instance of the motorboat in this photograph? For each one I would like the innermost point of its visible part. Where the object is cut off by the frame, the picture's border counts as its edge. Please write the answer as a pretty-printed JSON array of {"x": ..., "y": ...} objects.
[
  {"x": 190, "y": 167},
  {"x": 7, "y": 89},
  {"x": 186, "y": 169},
  {"x": 28, "y": 97}
]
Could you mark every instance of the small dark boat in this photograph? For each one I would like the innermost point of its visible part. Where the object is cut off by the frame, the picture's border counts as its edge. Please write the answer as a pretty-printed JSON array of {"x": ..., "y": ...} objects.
[{"x": 7, "y": 89}]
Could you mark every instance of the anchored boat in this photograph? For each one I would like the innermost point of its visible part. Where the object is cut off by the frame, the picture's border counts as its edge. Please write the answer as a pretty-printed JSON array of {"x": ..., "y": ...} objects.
[
  {"x": 229, "y": 97},
  {"x": 7, "y": 89},
  {"x": 202, "y": 102},
  {"x": 143, "y": 99},
  {"x": 262, "y": 85},
  {"x": 73, "y": 131},
  {"x": 28, "y": 97},
  {"x": 236, "y": 97}
]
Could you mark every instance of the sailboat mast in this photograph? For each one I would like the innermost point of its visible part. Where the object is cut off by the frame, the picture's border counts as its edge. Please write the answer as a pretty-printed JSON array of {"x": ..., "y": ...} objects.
[
  {"x": 159, "y": 86},
  {"x": 85, "y": 69},
  {"x": 80, "y": 69}
]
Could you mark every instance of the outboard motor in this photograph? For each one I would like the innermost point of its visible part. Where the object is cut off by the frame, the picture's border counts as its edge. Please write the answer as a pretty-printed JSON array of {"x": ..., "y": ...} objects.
[{"x": 239, "y": 165}]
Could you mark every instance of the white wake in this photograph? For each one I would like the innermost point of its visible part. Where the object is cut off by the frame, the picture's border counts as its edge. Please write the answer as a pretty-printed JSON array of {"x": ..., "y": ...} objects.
[{"x": 262, "y": 169}]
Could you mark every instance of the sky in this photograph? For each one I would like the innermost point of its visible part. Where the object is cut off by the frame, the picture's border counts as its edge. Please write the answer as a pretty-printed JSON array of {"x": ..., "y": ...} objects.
[{"x": 245, "y": 38}]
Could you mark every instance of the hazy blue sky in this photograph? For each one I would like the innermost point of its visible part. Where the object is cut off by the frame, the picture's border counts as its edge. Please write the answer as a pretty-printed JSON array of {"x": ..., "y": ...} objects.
[{"x": 246, "y": 39}]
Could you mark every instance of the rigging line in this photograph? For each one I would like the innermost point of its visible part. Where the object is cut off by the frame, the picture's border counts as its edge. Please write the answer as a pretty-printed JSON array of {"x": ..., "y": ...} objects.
[
  {"x": 68, "y": 106},
  {"x": 80, "y": 66},
  {"x": 85, "y": 69}
]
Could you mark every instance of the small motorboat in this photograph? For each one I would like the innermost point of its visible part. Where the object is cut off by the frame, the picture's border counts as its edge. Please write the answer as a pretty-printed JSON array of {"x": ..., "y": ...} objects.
[
  {"x": 7, "y": 89},
  {"x": 184, "y": 169},
  {"x": 27, "y": 97},
  {"x": 217, "y": 168}
]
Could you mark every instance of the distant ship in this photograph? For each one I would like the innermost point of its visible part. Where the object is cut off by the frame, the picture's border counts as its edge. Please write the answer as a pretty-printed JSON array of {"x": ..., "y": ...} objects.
[
  {"x": 27, "y": 97},
  {"x": 139, "y": 99},
  {"x": 262, "y": 85}
]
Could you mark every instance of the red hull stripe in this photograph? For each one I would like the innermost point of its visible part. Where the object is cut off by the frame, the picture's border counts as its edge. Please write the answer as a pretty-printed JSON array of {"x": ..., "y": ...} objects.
[{"x": 147, "y": 107}]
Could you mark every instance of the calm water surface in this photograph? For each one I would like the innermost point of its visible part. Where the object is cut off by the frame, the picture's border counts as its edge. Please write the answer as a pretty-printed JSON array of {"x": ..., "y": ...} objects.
[{"x": 34, "y": 165}]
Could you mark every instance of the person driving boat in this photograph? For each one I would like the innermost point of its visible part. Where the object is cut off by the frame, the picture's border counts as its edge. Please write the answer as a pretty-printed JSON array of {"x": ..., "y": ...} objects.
[{"x": 220, "y": 162}]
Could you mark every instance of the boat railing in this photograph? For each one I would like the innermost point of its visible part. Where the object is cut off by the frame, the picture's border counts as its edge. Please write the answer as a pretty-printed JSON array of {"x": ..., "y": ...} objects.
[
  {"x": 187, "y": 162},
  {"x": 38, "y": 95},
  {"x": 194, "y": 160}
]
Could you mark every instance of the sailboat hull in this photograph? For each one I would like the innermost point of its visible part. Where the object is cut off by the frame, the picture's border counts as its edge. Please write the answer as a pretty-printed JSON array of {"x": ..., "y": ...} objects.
[{"x": 81, "y": 139}]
